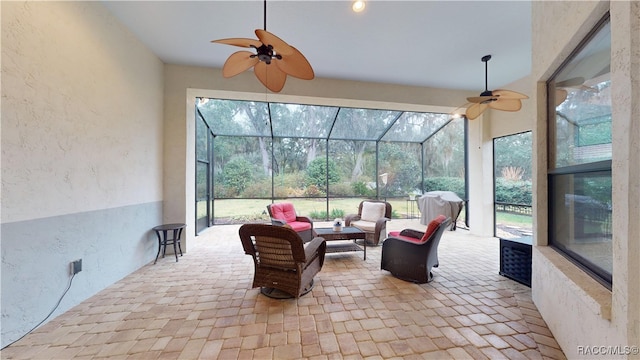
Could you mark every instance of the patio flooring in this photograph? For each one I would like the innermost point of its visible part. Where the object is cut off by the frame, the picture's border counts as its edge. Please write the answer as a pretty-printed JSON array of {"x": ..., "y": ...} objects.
[{"x": 202, "y": 307}]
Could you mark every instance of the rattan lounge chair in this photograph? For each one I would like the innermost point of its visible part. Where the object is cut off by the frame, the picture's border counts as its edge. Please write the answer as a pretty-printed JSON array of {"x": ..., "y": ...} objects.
[
  {"x": 284, "y": 213},
  {"x": 411, "y": 254},
  {"x": 282, "y": 263},
  {"x": 371, "y": 218}
]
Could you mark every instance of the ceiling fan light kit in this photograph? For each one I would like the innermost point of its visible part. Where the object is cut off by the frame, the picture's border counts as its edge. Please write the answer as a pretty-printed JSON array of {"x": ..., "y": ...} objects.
[
  {"x": 503, "y": 100},
  {"x": 358, "y": 6},
  {"x": 272, "y": 61}
]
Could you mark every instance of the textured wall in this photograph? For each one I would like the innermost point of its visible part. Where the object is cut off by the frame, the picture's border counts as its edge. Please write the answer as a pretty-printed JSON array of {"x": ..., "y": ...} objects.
[
  {"x": 625, "y": 65},
  {"x": 578, "y": 310},
  {"x": 81, "y": 155}
]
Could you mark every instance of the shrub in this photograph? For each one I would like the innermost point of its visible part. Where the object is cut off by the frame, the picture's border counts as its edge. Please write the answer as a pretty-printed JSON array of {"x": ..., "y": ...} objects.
[
  {"x": 295, "y": 179},
  {"x": 360, "y": 188},
  {"x": 317, "y": 173},
  {"x": 318, "y": 215},
  {"x": 313, "y": 191},
  {"x": 513, "y": 192},
  {"x": 258, "y": 190},
  {"x": 237, "y": 174},
  {"x": 455, "y": 184},
  {"x": 336, "y": 213},
  {"x": 221, "y": 191},
  {"x": 341, "y": 189},
  {"x": 513, "y": 173}
]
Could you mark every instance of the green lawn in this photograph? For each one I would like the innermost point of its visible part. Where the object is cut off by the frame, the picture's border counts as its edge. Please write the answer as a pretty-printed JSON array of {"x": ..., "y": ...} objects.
[
  {"x": 523, "y": 221},
  {"x": 254, "y": 209}
]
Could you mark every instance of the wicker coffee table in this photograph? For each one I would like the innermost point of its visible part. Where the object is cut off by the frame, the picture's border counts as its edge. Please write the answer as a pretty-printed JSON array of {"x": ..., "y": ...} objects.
[{"x": 347, "y": 233}]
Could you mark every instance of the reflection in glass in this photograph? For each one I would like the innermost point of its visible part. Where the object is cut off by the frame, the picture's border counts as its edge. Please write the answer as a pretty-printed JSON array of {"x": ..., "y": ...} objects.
[
  {"x": 582, "y": 100},
  {"x": 581, "y": 217}
]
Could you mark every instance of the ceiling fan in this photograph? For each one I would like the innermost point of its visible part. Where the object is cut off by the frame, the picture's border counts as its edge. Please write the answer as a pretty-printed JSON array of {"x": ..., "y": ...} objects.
[
  {"x": 272, "y": 61},
  {"x": 505, "y": 100}
]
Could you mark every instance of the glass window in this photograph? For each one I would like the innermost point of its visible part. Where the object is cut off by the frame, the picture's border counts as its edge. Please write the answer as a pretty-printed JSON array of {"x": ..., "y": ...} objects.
[
  {"x": 512, "y": 186},
  {"x": 580, "y": 156}
]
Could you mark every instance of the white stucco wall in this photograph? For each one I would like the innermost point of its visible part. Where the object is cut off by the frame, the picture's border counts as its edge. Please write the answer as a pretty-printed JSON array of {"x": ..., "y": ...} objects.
[
  {"x": 81, "y": 155},
  {"x": 89, "y": 65},
  {"x": 579, "y": 311}
]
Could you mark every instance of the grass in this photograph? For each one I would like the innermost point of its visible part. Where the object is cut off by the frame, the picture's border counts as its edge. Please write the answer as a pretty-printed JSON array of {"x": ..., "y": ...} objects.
[
  {"x": 523, "y": 221},
  {"x": 256, "y": 209}
]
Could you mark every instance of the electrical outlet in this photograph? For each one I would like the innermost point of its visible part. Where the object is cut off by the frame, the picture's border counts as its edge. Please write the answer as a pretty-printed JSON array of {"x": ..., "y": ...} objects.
[{"x": 76, "y": 266}]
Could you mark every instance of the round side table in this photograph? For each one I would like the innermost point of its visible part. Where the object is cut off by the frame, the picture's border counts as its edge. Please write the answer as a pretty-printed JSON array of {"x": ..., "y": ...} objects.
[{"x": 162, "y": 231}]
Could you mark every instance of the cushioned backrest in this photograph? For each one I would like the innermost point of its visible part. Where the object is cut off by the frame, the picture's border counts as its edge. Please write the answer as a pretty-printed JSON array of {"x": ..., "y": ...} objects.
[
  {"x": 372, "y": 211},
  {"x": 433, "y": 225},
  {"x": 283, "y": 211}
]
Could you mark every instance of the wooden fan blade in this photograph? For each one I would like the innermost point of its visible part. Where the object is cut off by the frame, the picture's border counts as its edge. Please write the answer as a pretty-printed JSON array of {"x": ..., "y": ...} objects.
[
  {"x": 508, "y": 94},
  {"x": 561, "y": 96},
  {"x": 279, "y": 45},
  {"x": 476, "y": 110},
  {"x": 506, "y": 104},
  {"x": 479, "y": 99},
  {"x": 270, "y": 76},
  {"x": 238, "y": 62},
  {"x": 295, "y": 65},
  {"x": 242, "y": 42}
]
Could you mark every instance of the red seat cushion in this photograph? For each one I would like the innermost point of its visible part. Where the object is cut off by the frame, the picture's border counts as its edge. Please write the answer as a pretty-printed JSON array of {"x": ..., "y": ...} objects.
[
  {"x": 284, "y": 211},
  {"x": 299, "y": 225},
  {"x": 396, "y": 234},
  {"x": 431, "y": 228}
]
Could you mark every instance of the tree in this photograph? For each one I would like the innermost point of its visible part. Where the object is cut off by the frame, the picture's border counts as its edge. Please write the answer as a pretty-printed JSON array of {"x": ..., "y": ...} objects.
[
  {"x": 317, "y": 173},
  {"x": 237, "y": 175},
  {"x": 513, "y": 151},
  {"x": 257, "y": 116}
]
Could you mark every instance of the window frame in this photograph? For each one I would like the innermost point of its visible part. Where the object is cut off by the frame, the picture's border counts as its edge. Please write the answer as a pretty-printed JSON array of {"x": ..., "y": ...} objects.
[{"x": 554, "y": 171}]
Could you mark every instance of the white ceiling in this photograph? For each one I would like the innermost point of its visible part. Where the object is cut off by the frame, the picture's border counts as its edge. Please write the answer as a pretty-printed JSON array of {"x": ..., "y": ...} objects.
[{"x": 424, "y": 43}]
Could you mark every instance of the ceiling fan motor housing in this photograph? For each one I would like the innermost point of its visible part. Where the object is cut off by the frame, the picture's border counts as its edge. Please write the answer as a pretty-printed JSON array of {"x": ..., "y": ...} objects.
[{"x": 265, "y": 53}]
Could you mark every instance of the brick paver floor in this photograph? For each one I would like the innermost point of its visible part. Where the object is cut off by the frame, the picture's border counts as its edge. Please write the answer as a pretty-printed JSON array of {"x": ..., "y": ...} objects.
[{"x": 202, "y": 307}]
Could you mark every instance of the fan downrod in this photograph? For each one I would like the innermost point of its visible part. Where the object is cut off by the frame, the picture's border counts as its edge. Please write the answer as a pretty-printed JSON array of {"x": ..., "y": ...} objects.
[{"x": 485, "y": 59}]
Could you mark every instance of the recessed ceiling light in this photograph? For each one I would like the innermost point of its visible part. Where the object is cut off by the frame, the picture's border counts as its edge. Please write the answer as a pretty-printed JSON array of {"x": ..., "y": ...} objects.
[{"x": 358, "y": 5}]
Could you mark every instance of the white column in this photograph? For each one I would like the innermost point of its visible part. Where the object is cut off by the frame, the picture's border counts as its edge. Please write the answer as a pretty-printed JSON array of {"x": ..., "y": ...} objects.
[{"x": 480, "y": 177}]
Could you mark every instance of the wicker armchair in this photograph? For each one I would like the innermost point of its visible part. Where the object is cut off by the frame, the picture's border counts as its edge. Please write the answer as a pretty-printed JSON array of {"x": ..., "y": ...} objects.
[
  {"x": 281, "y": 261},
  {"x": 371, "y": 218},
  {"x": 285, "y": 214},
  {"x": 411, "y": 254}
]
